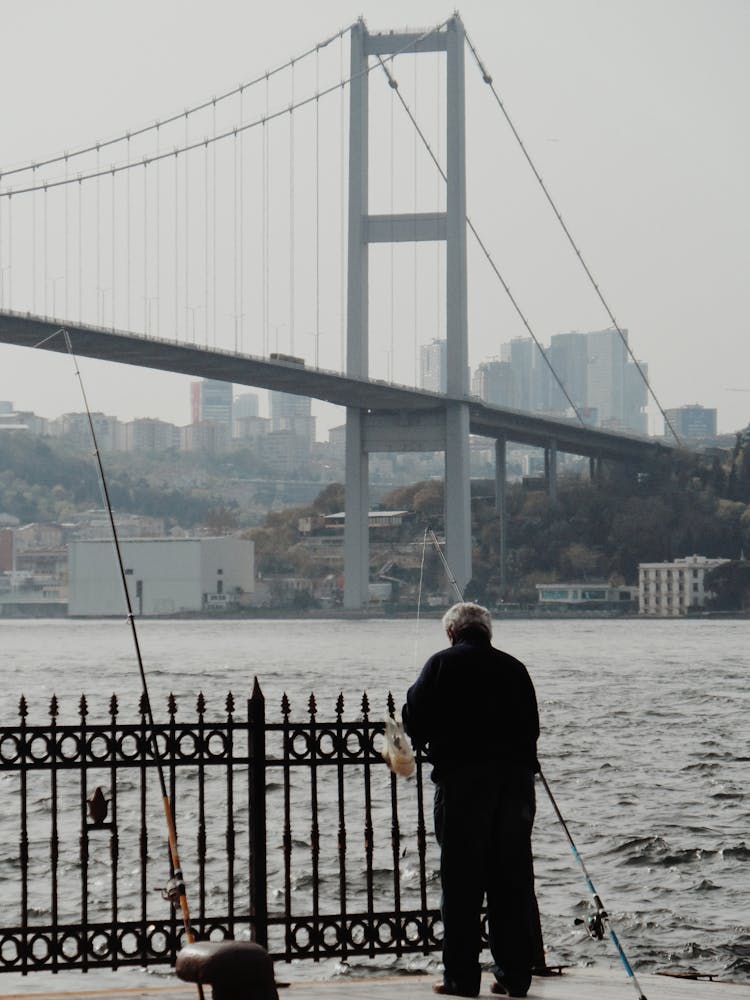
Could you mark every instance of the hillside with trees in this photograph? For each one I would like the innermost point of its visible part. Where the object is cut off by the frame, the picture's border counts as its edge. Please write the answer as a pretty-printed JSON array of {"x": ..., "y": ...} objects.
[
  {"x": 45, "y": 480},
  {"x": 689, "y": 504},
  {"x": 676, "y": 506}
]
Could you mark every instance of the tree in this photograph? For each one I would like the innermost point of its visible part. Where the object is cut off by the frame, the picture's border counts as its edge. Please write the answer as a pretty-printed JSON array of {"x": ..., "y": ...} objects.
[
  {"x": 730, "y": 585},
  {"x": 330, "y": 500},
  {"x": 579, "y": 562},
  {"x": 222, "y": 520}
]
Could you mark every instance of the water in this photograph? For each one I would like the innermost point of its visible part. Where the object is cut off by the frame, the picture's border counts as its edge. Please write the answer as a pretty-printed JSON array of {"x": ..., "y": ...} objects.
[{"x": 644, "y": 745}]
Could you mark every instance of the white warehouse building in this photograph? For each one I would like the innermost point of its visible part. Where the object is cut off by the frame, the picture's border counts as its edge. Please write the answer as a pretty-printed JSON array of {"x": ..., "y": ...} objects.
[{"x": 164, "y": 575}]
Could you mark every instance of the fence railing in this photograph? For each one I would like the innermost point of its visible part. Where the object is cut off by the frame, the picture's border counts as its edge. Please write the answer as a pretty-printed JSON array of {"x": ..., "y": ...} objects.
[{"x": 292, "y": 833}]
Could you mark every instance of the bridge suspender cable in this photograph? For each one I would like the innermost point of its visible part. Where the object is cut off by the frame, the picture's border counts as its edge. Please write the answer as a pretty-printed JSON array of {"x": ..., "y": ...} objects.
[
  {"x": 393, "y": 84},
  {"x": 175, "y": 891},
  {"x": 597, "y": 922},
  {"x": 488, "y": 80}
]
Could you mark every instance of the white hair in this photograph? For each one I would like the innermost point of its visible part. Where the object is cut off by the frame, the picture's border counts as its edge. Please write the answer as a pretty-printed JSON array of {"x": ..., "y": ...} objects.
[{"x": 467, "y": 615}]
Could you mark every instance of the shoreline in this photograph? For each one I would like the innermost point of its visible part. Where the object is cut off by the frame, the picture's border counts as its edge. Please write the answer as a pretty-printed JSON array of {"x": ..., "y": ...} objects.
[{"x": 37, "y": 613}]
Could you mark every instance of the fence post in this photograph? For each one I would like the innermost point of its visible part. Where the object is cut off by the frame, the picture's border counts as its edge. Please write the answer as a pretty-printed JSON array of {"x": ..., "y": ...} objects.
[{"x": 256, "y": 719}]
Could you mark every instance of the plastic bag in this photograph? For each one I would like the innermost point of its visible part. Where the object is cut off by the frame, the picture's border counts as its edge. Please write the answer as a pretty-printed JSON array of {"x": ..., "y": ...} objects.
[{"x": 397, "y": 751}]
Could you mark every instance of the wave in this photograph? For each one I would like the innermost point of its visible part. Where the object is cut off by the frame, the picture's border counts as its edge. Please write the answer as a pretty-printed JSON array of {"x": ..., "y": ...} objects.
[
  {"x": 654, "y": 850},
  {"x": 739, "y": 853}
]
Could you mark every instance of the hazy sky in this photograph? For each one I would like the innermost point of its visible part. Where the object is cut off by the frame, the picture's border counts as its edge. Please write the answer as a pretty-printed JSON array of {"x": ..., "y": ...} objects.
[{"x": 635, "y": 111}]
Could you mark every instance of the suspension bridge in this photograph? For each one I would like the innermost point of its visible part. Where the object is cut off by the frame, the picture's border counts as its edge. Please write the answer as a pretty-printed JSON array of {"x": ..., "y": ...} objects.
[{"x": 196, "y": 243}]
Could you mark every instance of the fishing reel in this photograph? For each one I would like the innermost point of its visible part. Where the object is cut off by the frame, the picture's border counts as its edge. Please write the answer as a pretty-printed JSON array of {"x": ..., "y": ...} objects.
[
  {"x": 173, "y": 890},
  {"x": 595, "y": 924}
]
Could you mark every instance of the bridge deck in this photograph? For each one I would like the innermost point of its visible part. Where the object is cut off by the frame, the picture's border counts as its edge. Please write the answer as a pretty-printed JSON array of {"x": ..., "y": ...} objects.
[
  {"x": 575, "y": 984},
  {"x": 25, "y": 330}
]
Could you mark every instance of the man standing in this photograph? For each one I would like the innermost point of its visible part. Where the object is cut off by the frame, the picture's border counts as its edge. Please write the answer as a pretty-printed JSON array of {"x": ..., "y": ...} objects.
[{"x": 473, "y": 708}]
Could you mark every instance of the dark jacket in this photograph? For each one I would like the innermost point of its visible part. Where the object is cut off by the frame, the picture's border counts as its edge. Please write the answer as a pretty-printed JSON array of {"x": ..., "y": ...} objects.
[{"x": 473, "y": 704}]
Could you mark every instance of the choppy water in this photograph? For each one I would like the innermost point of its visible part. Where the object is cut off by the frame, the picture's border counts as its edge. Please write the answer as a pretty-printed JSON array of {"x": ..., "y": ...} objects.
[{"x": 644, "y": 744}]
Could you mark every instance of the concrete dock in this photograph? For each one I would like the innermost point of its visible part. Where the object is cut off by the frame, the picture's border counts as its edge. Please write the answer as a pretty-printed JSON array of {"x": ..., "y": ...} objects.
[{"x": 575, "y": 984}]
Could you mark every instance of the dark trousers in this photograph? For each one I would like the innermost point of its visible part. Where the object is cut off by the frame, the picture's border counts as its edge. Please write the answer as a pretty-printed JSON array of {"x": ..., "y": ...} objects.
[{"x": 483, "y": 821}]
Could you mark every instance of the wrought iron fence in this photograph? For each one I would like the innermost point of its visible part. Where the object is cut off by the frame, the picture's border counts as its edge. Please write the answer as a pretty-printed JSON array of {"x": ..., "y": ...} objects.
[{"x": 292, "y": 833}]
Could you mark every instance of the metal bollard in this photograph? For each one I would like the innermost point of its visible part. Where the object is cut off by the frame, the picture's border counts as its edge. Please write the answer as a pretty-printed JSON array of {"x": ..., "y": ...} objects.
[{"x": 235, "y": 970}]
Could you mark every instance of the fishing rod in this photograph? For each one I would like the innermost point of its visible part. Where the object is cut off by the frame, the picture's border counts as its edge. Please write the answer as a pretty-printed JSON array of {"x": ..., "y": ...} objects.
[
  {"x": 597, "y": 923},
  {"x": 175, "y": 890}
]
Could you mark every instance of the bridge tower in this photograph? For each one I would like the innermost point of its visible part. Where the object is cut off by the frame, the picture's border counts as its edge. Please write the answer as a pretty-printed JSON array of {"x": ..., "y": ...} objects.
[{"x": 447, "y": 428}]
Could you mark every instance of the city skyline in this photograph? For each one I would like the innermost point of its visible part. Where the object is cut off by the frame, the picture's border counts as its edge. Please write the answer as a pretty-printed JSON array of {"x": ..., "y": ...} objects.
[
  {"x": 597, "y": 378},
  {"x": 654, "y": 201}
]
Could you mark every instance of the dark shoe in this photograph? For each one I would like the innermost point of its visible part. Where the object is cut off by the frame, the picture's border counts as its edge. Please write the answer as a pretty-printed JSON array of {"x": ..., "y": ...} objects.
[
  {"x": 448, "y": 990},
  {"x": 506, "y": 991},
  {"x": 547, "y": 970}
]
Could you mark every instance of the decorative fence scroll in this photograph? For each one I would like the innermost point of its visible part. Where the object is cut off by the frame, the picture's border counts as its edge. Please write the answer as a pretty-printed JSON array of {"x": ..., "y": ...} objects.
[{"x": 292, "y": 833}]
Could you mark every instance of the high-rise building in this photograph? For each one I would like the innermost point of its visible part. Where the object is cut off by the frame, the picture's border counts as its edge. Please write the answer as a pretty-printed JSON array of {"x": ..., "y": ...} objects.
[
  {"x": 614, "y": 384},
  {"x": 568, "y": 356},
  {"x": 521, "y": 354},
  {"x": 76, "y": 428},
  {"x": 250, "y": 428},
  {"x": 293, "y": 413},
  {"x": 148, "y": 434},
  {"x": 245, "y": 405},
  {"x": 433, "y": 366},
  {"x": 692, "y": 422},
  {"x": 206, "y": 435},
  {"x": 635, "y": 398},
  {"x": 494, "y": 382},
  {"x": 594, "y": 368},
  {"x": 211, "y": 400},
  {"x": 605, "y": 382}
]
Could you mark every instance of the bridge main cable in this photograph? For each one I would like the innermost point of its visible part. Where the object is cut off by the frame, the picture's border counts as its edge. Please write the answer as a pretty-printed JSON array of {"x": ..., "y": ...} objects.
[
  {"x": 486, "y": 77},
  {"x": 234, "y": 131},
  {"x": 171, "y": 119}
]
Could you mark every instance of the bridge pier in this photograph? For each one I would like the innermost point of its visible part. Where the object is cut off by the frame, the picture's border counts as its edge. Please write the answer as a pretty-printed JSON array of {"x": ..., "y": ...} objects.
[
  {"x": 550, "y": 468},
  {"x": 458, "y": 493},
  {"x": 356, "y": 520},
  {"x": 501, "y": 476}
]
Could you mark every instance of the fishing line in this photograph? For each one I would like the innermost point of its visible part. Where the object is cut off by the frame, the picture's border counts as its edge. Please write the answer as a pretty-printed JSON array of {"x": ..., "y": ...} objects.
[
  {"x": 597, "y": 923},
  {"x": 448, "y": 570},
  {"x": 175, "y": 889},
  {"x": 419, "y": 598}
]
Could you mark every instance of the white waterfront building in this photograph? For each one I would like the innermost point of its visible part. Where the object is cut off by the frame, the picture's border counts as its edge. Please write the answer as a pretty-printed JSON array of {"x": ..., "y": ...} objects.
[
  {"x": 667, "y": 590},
  {"x": 164, "y": 575}
]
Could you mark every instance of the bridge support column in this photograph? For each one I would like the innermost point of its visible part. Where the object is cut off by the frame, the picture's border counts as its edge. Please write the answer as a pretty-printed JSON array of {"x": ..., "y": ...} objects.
[
  {"x": 458, "y": 493},
  {"x": 501, "y": 477},
  {"x": 550, "y": 468},
  {"x": 356, "y": 527},
  {"x": 457, "y": 471},
  {"x": 356, "y": 522}
]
